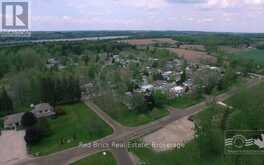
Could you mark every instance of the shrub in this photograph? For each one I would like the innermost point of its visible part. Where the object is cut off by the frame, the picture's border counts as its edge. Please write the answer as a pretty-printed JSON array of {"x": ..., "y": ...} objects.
[
  {"x": 59, "y": 111},
  {"x": 28, "y": 120},
  {"x": 33, "y": 135}
]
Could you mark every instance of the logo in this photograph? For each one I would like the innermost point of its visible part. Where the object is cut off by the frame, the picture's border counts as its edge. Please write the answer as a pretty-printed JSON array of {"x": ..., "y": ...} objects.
[
  {"x": 244, "y": 142},
  {"x": 15, "y": 19}
]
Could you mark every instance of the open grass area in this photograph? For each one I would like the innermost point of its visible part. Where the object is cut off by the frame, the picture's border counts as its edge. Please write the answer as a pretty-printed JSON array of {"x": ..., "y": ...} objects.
[
  {"x": 79, "y": 124},
  {"x": 121, "y": 113},
  {"x": 97, "y": 159},
  {"x": 253, "y": 54},
  {"x": 189, "y": 155},
  {"x": 247, "y": 98},
  {"x": 247, "y": 112},
  {"x": 184, "y": 101}
]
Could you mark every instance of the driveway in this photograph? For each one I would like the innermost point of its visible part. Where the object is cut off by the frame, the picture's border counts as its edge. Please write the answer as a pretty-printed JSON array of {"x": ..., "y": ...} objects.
[{"x": 13, "y": 147}]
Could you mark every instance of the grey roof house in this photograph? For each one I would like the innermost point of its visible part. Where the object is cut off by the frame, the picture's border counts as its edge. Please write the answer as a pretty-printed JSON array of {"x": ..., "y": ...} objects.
[{"x": 42, "y": 110}]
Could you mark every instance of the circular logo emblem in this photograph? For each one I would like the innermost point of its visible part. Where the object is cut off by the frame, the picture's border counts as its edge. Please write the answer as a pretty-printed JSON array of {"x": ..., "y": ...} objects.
[{"x": 239, "y": 141}]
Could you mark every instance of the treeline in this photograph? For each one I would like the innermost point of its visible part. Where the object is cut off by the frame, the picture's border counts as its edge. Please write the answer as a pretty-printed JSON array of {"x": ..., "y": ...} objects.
[
  {"x": 215, "y": 39},
  {"x": 18, "y": 58},
  {"x": 67, "y": 35},
  {"x": 33, "y": 87},
  {"x": 56, "y": 90}
]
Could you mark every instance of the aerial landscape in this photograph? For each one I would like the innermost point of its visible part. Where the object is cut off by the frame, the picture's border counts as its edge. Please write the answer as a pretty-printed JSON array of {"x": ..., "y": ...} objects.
[{"x": 174, "y": 82}]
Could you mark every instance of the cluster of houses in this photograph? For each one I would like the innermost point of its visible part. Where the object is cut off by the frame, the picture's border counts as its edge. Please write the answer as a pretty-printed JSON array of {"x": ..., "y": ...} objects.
[
  {"x": 43, "y": 110},
  {"x": 171, "y": 81}
]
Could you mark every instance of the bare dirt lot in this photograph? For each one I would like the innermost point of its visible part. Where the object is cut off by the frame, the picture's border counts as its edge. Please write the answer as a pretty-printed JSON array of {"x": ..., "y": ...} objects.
[
  {"x": 140, "y": 42},
  {"x": 193, "y": 56},
  {"x": 13, "y": 147},
  {"x": 171, "y": 136}
]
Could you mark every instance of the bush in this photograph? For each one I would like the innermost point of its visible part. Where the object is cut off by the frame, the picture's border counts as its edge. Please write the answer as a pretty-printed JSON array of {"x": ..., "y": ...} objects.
[
  {"x": 59, "y": 111},
  {"x": 33, "y": 135},
  {"x": 28, "y": 120},
  {"x": 160, "y": 99}
]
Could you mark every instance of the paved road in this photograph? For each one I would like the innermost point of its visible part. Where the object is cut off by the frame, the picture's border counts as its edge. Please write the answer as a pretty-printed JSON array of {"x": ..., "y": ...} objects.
[{"x": 118, "y": 137}]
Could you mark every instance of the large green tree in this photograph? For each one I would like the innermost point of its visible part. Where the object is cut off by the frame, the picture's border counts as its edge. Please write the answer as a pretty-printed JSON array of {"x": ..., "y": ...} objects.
[{"x": 6, "y": 104}]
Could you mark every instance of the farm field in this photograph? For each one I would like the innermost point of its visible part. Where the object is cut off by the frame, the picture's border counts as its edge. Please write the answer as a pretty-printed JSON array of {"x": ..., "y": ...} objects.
[
  {"x": 121, "y": 113},
  {"x": 140, "y": 42},
  {"x": 98, "y": 159},
  {"x": 79, "y": 124},
  {"x": 193, "y": 56},
  {"x": 229, "y": 49},
  {"x": 252, "y": 54},
  {"x": 193, "y": 47}
]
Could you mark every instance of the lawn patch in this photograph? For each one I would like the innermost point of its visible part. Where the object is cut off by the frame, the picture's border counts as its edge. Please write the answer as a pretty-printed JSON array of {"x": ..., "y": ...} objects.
[
  {"x": 121, "y": 113},
  {"x": 79, "y": 124},
  {"x": 184, "y": 101},
  {"x": 98, "y": 159}
]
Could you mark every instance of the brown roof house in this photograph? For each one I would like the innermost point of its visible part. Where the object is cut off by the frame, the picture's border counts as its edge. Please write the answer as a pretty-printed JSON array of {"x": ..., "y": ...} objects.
[{"x": 42, "y": 110}]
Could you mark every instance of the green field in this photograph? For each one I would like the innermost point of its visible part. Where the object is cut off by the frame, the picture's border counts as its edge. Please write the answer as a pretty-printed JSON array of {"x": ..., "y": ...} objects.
[
  {"x": 248, "y": 109},
  {"x": 120, "y": 112},
  {"x": 78, "y": 125},
  {"x": 255, "y": 54},
  {"x": 184, "y": 101},
  {"x": 97, "y": 159}
]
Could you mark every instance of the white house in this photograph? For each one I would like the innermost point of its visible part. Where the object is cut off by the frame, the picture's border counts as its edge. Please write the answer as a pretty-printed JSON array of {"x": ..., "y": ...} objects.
[
  {"x": 145, "y": 88},
  {"x": 177, "y": 91}
]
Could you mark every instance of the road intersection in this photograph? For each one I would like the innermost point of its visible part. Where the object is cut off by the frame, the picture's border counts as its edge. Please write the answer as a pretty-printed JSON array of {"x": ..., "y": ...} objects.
[{"x": 123, "y": 134}]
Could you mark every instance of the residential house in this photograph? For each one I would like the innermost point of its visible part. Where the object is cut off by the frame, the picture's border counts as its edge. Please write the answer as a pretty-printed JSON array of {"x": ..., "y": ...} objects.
[
  {"x": 177, "y": 91},
  {"x": 42, "y": 110},
  {"x": 13, "y": 121}
]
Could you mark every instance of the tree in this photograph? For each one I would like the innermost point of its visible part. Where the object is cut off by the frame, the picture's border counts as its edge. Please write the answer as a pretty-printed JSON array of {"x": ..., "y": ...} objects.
[
  {"x": 58, "y": 90},
  {"x": 209, "y": 135},
  {"x": 207, "y": 79},
  {"x": 138, "y": 103},
  {"x": 183, "y": 77},
  {"x": 6, "y": 104},
  {"x": 33, "y": 135},
  {"x": 160, "y": 98},
  {"x": 28, "y": 120}
]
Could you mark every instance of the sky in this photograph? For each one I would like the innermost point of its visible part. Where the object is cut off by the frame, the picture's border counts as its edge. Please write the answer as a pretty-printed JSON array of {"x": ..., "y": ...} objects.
[{"x": 180, "y": 15}]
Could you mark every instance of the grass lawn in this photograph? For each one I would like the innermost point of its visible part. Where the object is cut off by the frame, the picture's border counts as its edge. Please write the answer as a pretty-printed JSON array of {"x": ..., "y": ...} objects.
[
  {"x": 184, "y": 101},
  {"x": 248, "y": 98},
  {"x": 79, "y": 124},
  {"x": 97, "y": 159},
  {"x": 189, "y": 155},
  {"x": 120, "y": 112}
]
